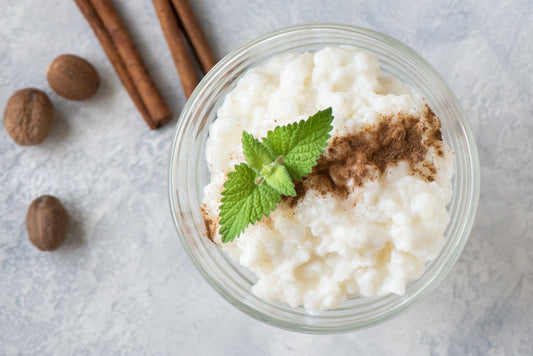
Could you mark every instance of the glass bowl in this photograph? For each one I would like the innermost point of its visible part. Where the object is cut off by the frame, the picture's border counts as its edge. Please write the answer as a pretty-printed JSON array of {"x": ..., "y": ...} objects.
[{"x": 188, "y": 175}]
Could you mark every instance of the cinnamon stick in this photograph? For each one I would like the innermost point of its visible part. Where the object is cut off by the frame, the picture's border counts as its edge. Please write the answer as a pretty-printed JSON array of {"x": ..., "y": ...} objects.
[
  {"x": 178, "y": 49},
  {"x": 119, "y": 48},
  {"x": 196, "y": 36}
]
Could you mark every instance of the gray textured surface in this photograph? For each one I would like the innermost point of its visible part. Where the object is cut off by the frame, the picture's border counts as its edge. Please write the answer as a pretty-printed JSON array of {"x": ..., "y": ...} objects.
[{"x": 122, "y": 283}]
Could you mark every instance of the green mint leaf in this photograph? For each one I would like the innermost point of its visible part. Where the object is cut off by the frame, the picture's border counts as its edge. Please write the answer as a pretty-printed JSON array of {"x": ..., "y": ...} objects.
[
  {"x": 277, "y": 177},
  {"x": 300, "y": 144},
  {"x": 256, "y": 154},
  {"x": 244, "y": 201}
]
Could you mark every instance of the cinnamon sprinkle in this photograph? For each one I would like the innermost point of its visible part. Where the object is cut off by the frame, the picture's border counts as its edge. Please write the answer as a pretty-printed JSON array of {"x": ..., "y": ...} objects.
[
  {"x": 210, "y": 224},
  {"x": 373, "y": 149}
]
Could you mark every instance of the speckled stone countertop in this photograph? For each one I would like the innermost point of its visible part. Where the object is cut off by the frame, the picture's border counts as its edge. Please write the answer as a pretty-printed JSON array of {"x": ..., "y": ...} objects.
[{"x": 122, "y": 284}]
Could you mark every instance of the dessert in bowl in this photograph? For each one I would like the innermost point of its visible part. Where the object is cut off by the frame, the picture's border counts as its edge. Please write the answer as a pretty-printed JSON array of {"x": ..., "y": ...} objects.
[{"x": 385, "y": 212}]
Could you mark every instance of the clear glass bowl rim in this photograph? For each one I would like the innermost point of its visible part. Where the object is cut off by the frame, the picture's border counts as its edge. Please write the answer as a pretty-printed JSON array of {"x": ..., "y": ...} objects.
[{"x": 401, "y": 303}]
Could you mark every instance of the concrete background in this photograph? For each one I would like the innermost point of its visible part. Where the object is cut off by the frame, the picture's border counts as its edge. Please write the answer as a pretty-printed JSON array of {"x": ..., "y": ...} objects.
[{"x": 122, "y": 284}]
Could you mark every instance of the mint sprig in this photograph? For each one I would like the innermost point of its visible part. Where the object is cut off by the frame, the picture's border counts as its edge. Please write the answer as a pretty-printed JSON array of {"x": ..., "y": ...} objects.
[{"x": 254, "y": 188}]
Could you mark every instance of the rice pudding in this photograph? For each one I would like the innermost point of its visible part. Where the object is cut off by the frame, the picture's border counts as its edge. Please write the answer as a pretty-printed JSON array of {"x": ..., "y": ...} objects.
[{"x": 372, "y": 213}]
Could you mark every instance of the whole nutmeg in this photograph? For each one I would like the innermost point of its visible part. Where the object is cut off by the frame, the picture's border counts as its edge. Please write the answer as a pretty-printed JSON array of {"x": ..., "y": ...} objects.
[
  {"x": 28, "y": 116},
  {"x": 47, "y": 223},
  {"x": 72, "y": 77}
]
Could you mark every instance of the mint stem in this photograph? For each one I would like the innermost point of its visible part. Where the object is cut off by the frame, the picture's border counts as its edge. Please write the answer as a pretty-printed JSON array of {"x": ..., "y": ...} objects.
[
  {"x": 279, "y": 160},
  {"x": 267, "y": 169}
]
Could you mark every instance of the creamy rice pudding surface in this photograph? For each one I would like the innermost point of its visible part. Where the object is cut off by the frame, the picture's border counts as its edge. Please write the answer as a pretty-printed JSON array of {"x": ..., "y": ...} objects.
[{"x": 372, "y": 213}]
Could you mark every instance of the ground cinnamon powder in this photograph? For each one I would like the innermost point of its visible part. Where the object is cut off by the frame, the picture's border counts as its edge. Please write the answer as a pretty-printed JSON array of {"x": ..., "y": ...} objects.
[
  {"x": 359, "y": 156},
  {"x": 210, "y": 224}
]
